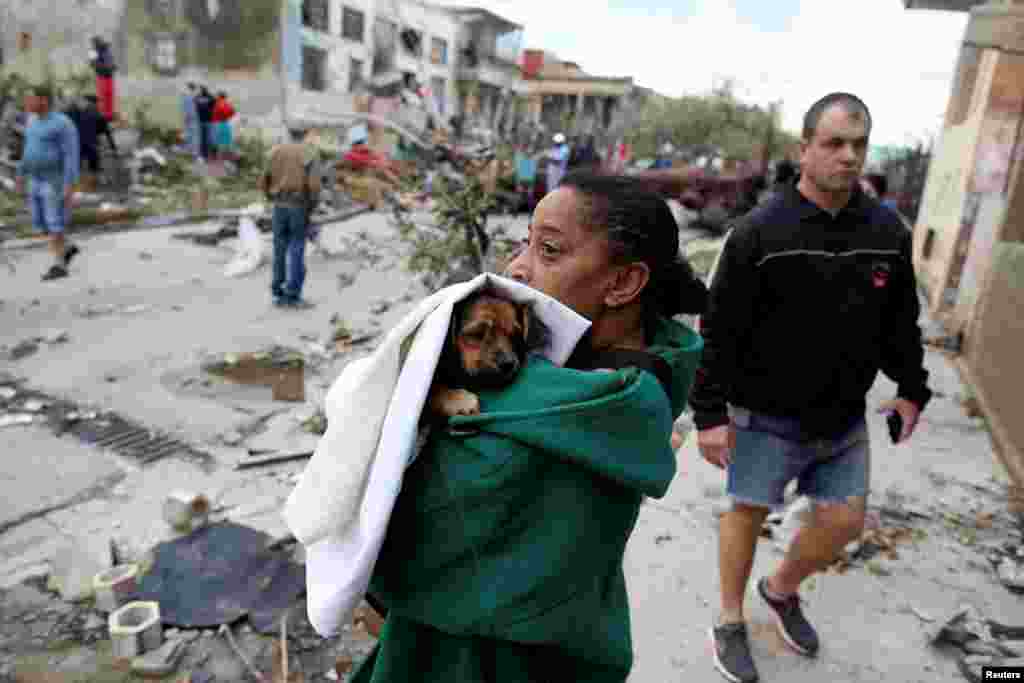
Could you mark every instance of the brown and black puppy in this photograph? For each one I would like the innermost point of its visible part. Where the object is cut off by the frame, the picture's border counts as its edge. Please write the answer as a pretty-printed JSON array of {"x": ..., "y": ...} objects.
[{"x": 486, "y": 347}]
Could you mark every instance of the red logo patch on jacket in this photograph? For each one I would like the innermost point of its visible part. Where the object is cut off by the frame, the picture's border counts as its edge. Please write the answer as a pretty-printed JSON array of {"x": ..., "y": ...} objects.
[{"x": 880, "y": 275}]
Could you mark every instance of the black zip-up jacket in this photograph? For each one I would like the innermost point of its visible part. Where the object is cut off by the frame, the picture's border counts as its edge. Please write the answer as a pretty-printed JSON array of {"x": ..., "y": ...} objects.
[{"x": 805, "y": 308}]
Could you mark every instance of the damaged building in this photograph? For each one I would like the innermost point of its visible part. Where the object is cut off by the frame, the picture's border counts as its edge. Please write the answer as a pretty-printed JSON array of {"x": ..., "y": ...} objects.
[
  {"x": 303, "y": 60},
  {"x": 490, "y": 83},
  {"x": 563, "y": 97}
]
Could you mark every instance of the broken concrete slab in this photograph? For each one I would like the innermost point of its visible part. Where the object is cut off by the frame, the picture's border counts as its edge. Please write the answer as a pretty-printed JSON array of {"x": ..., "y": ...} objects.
[
  {"x": 1011, "y": 574},
  {"x": 22, "y": 349},
  {"x": 23, "y": 599},
  {"x": 16, "y": 419},
  {"x": 51, "y": 472},
  {"x": 160, "y": 662},
  {"x": 937, "y": 632},
  {"x": 73, "y": 572}
]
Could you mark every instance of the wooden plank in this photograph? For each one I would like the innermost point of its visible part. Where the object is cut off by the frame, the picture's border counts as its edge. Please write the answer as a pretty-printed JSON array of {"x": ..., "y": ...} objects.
[{"x": 271, "y": 459}]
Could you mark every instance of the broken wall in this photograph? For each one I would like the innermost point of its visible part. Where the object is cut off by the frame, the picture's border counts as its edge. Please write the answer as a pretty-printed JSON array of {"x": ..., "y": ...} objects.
[{"x": 991, "y": 352}]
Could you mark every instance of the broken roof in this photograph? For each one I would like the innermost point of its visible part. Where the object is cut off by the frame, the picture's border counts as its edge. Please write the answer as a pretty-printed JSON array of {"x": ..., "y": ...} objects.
[{"x": 478, "y": 13}]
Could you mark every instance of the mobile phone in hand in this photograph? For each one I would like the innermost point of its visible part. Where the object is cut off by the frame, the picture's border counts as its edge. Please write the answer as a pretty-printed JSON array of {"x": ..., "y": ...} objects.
[{"x": 895, "y": 426}]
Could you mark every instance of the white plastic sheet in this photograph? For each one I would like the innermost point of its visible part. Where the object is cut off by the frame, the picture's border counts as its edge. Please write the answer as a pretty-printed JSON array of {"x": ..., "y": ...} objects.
[{"x": 252, "y": 252}]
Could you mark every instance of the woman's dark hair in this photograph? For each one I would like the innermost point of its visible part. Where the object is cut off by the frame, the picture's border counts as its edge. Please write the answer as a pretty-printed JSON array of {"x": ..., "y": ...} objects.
[{"x": 641, "y": 227}]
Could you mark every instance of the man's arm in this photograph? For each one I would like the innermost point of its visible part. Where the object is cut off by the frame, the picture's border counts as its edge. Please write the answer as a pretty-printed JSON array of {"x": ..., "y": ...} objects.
[
  {"x": 725, "y": 326},
  {"x": 903, "y": 357},
  {"x": 104, "y": 128},
  {"x": 72, "y": 155},
  {"x": 266, "y": 178}
]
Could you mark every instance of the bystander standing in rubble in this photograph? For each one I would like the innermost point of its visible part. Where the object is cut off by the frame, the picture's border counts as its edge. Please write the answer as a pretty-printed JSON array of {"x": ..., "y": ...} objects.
[
  {"x": 772, "y": 406},
  {"x": 558, "y": 162},
  {"x": 190, "y": 118},
  {"x": 103, "y": 64},
  {"x": 91, "y": 125},
  {"x": 204, "y": 110},
  {"x": 223, "y": 112},
  {"x": 584, "y": 155},
  {"x": 50, "y": 165},
  {"x": 292, "y": 185}
]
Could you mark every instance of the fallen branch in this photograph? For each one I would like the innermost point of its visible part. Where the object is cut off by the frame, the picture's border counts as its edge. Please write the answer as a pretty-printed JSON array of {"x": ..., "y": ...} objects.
[{"x": 272, "y": 459}]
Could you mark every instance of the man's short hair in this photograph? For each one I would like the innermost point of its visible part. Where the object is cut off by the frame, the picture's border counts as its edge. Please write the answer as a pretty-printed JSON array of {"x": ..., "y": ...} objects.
[
  {"x": 851, "y": 103},
  {"x": 297, "y": 134}
]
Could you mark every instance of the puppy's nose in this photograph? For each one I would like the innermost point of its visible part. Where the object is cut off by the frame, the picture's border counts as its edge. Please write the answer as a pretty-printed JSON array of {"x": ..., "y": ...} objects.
[{"x": 508, "y": 364}]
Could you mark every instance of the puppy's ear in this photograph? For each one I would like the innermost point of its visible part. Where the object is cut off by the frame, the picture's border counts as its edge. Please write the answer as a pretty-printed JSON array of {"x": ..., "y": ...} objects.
[
  {"x": 535, "y": 332},
  {"x": 458, "y": 316}
]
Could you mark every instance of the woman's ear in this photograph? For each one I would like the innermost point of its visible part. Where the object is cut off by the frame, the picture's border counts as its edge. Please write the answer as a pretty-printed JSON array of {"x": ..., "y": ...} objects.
[{"x": 629, "y": 281}]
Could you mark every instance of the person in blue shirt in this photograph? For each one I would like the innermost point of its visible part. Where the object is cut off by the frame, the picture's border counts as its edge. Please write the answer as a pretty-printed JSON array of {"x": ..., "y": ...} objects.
[
  {"x": 191, "y": 116},
  {"x": 50, "y": 163}
]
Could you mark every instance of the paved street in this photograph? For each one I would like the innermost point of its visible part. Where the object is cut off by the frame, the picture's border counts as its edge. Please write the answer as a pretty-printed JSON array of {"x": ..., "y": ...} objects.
[{"x": 141, "y": 310}]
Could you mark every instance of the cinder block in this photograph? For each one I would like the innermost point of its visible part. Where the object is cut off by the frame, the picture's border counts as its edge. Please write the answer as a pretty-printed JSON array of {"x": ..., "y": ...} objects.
[{"x": 135, "y": 629}]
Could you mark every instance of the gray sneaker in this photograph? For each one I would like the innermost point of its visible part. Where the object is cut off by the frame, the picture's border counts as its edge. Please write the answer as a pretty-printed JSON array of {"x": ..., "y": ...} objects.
[
  {"x": 731, "y": 649},
  {"x": 793, "y": 625}
]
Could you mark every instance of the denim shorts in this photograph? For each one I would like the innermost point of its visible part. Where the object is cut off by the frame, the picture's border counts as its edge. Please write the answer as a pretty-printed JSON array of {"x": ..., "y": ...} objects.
[
  {"x": 770, "y": 453},
  {"x": 50, "y": 213}
]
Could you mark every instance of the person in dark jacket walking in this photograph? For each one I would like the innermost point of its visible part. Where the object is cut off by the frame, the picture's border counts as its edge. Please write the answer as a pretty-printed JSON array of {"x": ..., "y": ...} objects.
[
  {"x": 814, "y": 293},
  {"x": 205, "y": 103},
  {"x": 91, "y": 125}
]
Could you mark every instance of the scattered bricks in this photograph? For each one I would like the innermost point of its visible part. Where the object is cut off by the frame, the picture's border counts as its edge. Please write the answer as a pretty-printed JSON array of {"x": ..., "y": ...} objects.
[
  {"x": 114, "y": 586},
  {"x": 135, "y": 629},
  {"x": 160, "y": 662},
  {"x": 186, "y": 511}
]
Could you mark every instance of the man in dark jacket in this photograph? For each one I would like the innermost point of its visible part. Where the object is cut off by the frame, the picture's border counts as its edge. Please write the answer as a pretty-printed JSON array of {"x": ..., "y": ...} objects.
[
  {"x": 91, "y": 125},
  {"x": 814, "y": 293},
  {"x": 205, "y": 103}
]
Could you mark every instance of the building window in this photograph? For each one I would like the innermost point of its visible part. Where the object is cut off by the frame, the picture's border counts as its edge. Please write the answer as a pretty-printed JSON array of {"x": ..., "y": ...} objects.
[
  {"x": 314, "y": 62},
  {"x": 412, "y": 42},
  {"x": 315, "y": 15},
  {"x": 438, "y": 89},
  {"x": 355, "y": 74},
  {"x": 353, "y": 24},
  {"x": 438, "y": 51}
]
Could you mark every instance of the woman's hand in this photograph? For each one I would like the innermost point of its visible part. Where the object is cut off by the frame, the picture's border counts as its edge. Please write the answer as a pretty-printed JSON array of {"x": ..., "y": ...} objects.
[{"x": 716, "y": 444}]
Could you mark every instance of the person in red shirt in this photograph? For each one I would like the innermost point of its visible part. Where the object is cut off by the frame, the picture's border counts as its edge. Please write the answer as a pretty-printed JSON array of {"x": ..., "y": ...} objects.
[{"x": 223, "y": 112}]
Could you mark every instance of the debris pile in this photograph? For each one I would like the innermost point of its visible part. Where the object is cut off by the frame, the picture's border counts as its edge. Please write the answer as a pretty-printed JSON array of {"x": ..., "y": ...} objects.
[
  {"x": 977, "y": 642},
  {"x": 282, "y": 369},
  {"x": 181, "y": 610}
]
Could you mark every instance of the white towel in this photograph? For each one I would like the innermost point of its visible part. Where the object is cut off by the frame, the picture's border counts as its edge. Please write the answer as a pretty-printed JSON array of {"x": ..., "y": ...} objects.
[{"x": 341, "y": 506}]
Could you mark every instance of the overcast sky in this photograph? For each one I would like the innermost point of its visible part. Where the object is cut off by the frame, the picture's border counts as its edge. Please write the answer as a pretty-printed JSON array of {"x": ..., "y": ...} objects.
[{"x": 900, "y": 61}]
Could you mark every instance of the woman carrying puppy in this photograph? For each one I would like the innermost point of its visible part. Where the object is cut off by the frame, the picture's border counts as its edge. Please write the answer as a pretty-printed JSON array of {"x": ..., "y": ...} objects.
[{"x": 503, "y": 556}]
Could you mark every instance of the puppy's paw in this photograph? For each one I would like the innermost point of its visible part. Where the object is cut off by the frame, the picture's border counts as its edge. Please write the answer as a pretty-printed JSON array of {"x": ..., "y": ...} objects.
[{"x": 452, "y": 402}]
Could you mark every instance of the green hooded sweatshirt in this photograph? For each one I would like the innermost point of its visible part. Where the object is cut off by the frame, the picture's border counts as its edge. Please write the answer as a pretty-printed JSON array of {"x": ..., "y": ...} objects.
[{"x": 503, "y": 557}]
